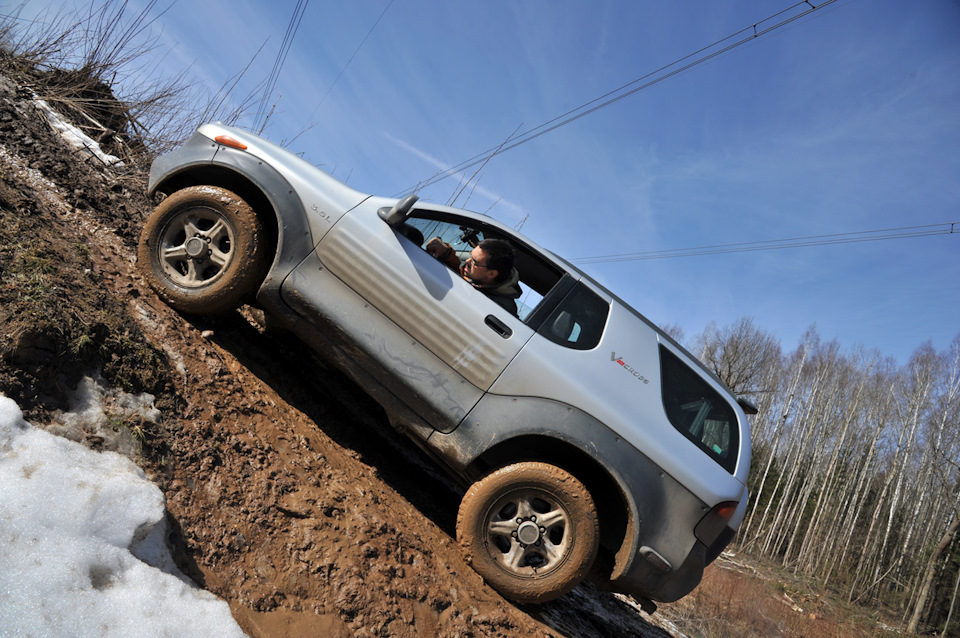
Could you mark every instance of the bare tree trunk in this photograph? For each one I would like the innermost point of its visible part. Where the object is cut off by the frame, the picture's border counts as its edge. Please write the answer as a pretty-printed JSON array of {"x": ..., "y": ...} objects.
[
  {"x": 820, "y": 537},
  {"x": 787, "y": 508},
  {"x": 940, "y": 468},
  {"x": 924, "y": 367},
  {"x": 922, "y": 377},
  {"x": 789, "y": 516},
  {"x": 856, "y": 501},
  {"x": 877, "y": 418},
  {"x": 953, "y": 603},
  {"x": 928, "y": 574},
  {"x": 777, "y": 440},
  {"x": 865, "y": 556}
]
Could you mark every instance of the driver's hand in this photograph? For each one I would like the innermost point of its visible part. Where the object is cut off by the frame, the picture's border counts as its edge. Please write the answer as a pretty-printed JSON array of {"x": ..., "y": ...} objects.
[
  {"x": 437, "y": 246},
  {"x": 443, "y": 252}
]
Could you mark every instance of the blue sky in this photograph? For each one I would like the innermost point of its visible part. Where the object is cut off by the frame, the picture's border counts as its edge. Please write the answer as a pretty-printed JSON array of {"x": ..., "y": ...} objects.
[{"x": 844, "y": 121}]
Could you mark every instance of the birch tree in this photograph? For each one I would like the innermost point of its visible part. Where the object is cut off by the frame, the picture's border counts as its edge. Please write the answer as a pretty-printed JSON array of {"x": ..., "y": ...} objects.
[{"x": 945, "y": 461}]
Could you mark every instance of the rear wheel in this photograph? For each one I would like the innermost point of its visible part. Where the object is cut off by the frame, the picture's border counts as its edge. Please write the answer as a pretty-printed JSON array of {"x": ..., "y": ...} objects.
[
  {"x": 530, "y": 530},
  {"x": 203, "y": 250}
]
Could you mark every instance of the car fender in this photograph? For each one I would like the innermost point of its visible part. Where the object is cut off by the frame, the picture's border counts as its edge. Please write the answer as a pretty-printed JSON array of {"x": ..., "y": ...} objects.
[{"x": 300, "y": 224}]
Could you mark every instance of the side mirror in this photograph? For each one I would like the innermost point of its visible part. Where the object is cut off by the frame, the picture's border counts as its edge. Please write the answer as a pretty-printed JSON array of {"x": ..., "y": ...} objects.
[
  {"x": 398, "y": 214},
  {"x": 748, "y": 406}
]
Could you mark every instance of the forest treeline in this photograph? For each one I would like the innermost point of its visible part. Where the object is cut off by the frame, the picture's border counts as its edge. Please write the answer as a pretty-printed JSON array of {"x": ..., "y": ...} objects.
[{"x": 854, "y": 483}]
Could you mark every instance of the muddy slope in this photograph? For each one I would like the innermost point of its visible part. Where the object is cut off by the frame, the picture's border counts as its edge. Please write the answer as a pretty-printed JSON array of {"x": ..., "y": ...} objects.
[{"x": 288, "y": 493}]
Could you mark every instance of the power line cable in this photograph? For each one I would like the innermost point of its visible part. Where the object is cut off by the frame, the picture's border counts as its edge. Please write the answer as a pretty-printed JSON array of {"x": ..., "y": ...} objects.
[
  {"x": 310, "y": 125},
  {"x": 271, "y": 84},
  {"x": 687, "y": 62},
  {"x": 947, "y": 228},
  {"x": 353, "y": 55}
]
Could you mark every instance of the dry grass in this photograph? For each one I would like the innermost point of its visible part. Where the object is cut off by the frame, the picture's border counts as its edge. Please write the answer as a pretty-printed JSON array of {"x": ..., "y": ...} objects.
[
  {"x": 99, "y": 64},
  {"x": 740, "y": 602}
]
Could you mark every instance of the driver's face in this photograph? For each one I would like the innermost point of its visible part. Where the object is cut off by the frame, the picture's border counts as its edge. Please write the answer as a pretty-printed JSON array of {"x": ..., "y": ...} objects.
[{"x": 476, "y": 267}]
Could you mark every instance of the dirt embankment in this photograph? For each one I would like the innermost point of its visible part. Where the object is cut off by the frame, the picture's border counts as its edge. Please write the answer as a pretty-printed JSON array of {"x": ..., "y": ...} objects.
[{"x": 288, "y": 494}]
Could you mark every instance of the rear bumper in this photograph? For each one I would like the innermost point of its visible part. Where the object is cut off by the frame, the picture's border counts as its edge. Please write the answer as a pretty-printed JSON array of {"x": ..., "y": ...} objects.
[{"x": 647, "y": 580}]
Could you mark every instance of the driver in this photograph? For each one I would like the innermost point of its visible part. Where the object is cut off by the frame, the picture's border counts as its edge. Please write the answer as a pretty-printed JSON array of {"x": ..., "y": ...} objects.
[{"x": 489, "y": 269}]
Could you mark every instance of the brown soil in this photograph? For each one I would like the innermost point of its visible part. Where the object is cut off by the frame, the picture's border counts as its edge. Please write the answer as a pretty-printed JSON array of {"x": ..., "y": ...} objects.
[{"x": 288, "y": 493}]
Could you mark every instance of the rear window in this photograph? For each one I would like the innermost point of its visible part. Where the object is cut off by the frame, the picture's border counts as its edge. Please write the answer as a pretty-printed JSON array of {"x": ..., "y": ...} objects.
[{"x": 698, "y": 411}]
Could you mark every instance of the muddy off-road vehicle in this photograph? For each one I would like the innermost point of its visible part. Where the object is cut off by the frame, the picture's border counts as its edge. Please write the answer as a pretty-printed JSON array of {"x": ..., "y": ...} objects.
[{"x": 588, "y": 441}]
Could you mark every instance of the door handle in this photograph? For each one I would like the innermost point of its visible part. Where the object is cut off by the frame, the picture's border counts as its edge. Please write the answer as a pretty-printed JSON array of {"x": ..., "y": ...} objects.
[{"x": 498, "y": 326}]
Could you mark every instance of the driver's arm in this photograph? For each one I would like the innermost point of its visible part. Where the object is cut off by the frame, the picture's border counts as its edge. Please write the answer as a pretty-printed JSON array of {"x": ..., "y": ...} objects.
[{"x": 443, "y": 252}]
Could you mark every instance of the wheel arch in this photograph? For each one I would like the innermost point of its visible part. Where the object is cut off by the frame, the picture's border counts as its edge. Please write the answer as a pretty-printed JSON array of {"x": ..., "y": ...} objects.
[
  {"x": 614, "y": 511},
  {"x": 223, "y": 177},
  {"x": 271, "y": 197}
]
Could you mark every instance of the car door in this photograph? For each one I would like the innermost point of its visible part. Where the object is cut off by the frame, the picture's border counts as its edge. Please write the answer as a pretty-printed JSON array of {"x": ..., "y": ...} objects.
[{"x": 414, "y": 319}]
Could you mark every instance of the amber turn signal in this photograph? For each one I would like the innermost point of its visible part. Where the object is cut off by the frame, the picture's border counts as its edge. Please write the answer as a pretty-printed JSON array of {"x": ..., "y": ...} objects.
[{"x": 232, "y": 142}]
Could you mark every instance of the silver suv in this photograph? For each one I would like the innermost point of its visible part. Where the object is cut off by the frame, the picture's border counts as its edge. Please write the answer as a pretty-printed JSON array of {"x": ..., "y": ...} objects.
[{"x": 587, "y": 439}]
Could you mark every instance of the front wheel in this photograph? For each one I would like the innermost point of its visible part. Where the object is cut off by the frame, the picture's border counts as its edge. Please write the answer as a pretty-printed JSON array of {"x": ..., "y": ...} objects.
[
  {"x": 530, "y": 529},
  {"x": 203, "y": 250}
]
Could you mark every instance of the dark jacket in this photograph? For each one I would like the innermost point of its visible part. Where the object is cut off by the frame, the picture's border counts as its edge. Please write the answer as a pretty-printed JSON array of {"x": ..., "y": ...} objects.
[{"x": 505, "y": 293}]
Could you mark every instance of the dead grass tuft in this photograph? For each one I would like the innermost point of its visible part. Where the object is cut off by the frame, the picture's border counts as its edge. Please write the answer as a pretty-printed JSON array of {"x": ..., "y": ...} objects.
[{"x": 98, "y": 65}]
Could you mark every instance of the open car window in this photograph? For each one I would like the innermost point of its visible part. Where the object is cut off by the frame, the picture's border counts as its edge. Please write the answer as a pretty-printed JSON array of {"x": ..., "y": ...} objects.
[{"x": 537, "y": 275}]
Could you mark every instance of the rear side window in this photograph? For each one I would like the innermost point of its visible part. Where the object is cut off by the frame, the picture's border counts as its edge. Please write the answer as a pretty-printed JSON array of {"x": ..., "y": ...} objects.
[
  {"x": 578, "y": 321},
  {"x": 698, "y": 411}
]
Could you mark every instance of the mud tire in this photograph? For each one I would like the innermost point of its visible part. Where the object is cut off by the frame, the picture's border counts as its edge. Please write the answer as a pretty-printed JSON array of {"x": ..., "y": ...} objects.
[
  {"x": 203, "y": 251},
  {"x": 563, "y": 536}
]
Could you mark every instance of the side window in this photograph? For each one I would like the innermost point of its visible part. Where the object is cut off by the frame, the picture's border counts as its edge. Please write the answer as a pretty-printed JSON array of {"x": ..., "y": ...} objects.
[
  {"x": 578, "y": 321},
  {"x": 461, "y": 238},
  {"x": 537, "y": 275},
  {"x": 698, "y": 411}
]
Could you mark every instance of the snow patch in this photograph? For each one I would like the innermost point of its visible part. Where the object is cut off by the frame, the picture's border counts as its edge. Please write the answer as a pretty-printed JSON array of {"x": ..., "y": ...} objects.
[
  {"x": 106, "y": 416},
  {"x": 74, "y": 136},
  {"x": 68, "y": 519}
]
